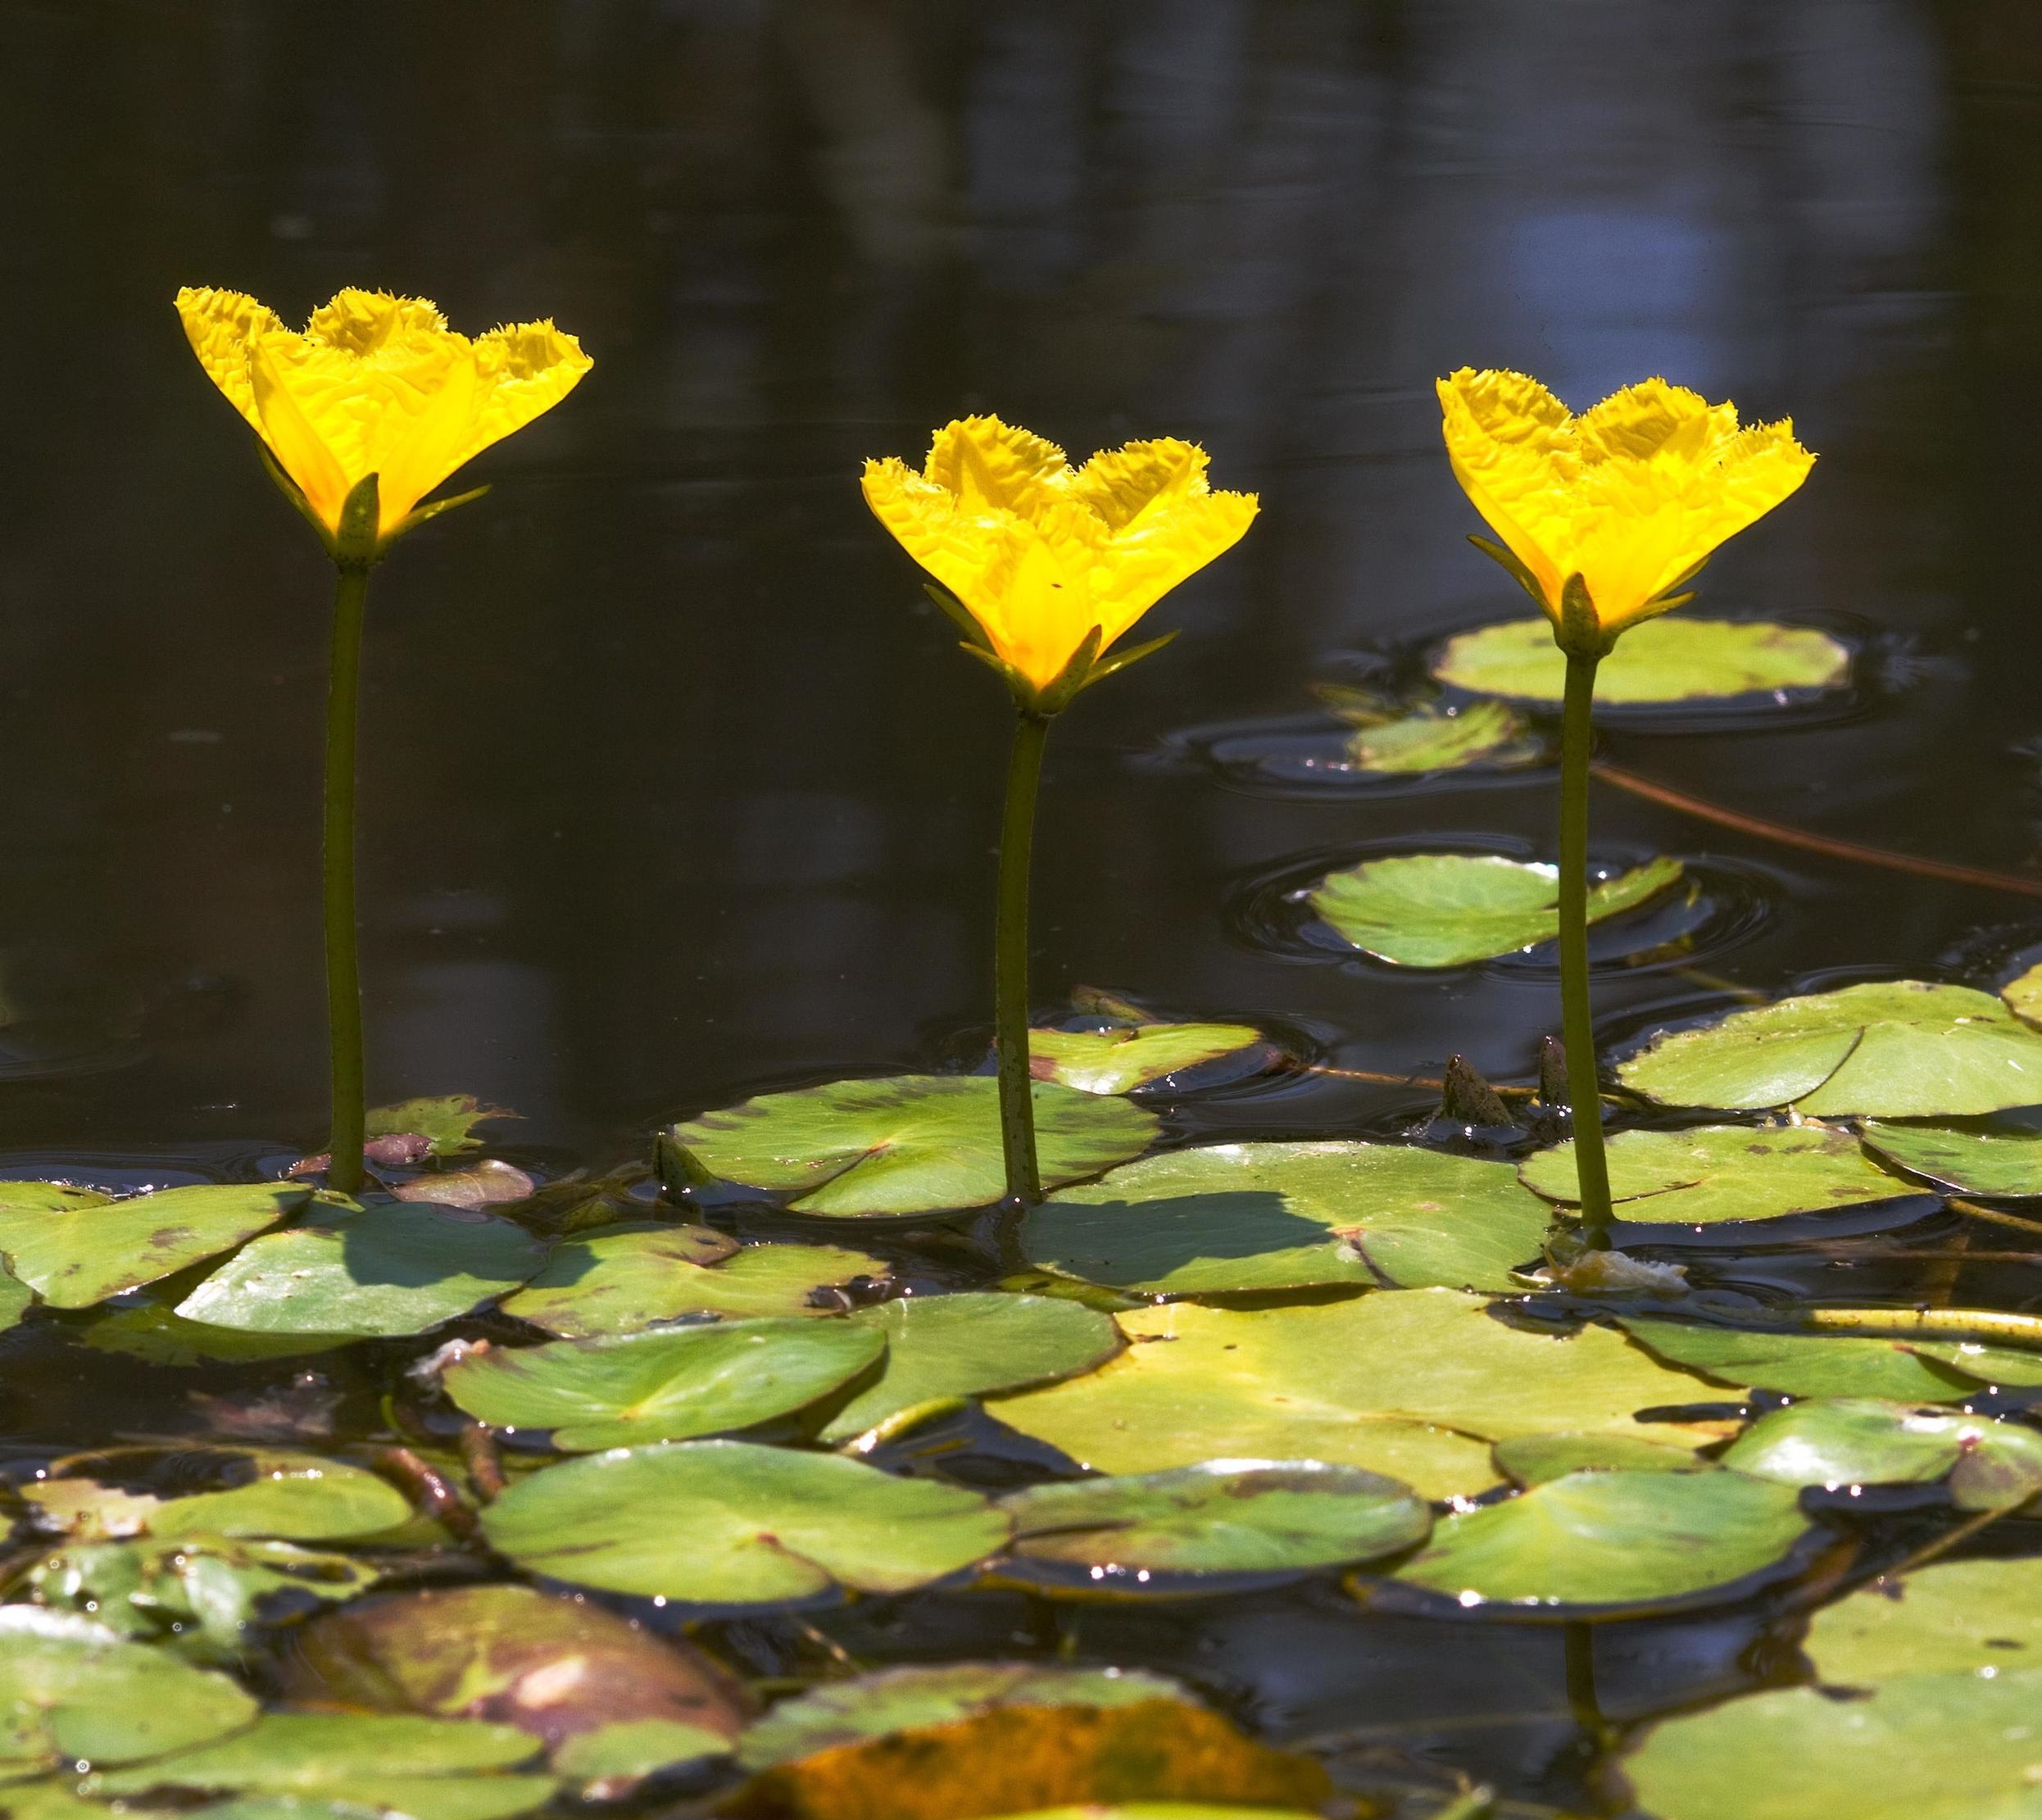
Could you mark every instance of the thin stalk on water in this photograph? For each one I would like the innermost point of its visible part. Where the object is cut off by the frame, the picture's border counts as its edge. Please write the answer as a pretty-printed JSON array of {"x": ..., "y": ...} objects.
[
  {"x": 1576, "y": 1017},
  {"x": 343, "y": 963},
  {"x": 1010, "y": 960}
]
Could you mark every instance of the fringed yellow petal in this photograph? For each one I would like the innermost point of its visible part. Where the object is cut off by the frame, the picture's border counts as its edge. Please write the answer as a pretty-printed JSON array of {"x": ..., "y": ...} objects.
[
  {"x": 989, "y": 464},
  {"x": 300, "y": 449},
  {"x": 1165, "y": 546},
  {"x": 223, "y": 327}
]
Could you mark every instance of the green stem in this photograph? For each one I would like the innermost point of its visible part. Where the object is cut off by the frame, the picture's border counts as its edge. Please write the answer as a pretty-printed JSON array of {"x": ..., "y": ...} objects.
[
  {"x": 1011, "y": 961},
  {"x": 343, "y": 964},
  {"x": 1577, "y": 1019}
]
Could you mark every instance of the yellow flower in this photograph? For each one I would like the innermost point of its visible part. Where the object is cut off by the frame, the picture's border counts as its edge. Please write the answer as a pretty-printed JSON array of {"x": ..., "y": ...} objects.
[
  {"x": 1631, "y": 497},
  {"x": 375, "y": 385},
  {"x": 1040, "y": 553}
]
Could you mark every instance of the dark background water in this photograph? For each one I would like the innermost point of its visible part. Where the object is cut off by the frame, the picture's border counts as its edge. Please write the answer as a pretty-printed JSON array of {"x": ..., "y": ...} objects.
[{"x": 672, "y": 783}]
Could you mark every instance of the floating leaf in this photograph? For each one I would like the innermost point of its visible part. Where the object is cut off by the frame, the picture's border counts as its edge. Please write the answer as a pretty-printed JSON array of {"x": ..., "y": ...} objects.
[
  {"x": 156, "y": 1332},
  {"x": 1675, "y": 659},
  {"x": 2004, "y": 1165},
  {"x": 1222, "y": 1516},
  {"x": 1947, "y": 1617},
  {"x": 49, "y": 1197},
  {"x": 71, "y": 1691},
  {"x": 486, "y": 1182},
  {"x": 448, "y": 1121},
  {"x": 1607, "y": 1539},
  {"x": 1535, "y": 1460},
  {"x": 1447, "y": 909},
  {"x": 83, "y": 1253},
  {"x": 727, "y": 1522},
  {"x": 1825, "y": 1364},
  {"x": 1231, "y": 1217},
  {"x": 971, "y": 1344},
  {"x": 628, "y": 1750},
  {"x": 911, "y": 1144},
  {"x": 1894, "y": 1049},
  {"x": 1860, "y": 1440},
  {"x": 391, "y": 1269},
  {"x": 901, "y": 1699},
  {"x": 621, "y": 1389},
  {"x": 1119, "y": 1061},
  {"x": 1719, "y": 1172},
  {"x": 16, "y": 1299},
  {"x": 619, "y": 1279},
  {"x": 2023, "y": 997},
  {"x": 1428, "y": 738},
  {"x": 1412, "y": 1384},
  {"x": 268, "y": 1492}
]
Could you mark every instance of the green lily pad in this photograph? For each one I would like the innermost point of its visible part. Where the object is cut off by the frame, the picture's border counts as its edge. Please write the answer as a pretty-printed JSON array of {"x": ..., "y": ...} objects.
[
  {"x": 271, "y": 1492},
  {"x": 1413, "y": 1385},
  {"x": 911, "y": 1144},
  {"x": 1828, "y": 1364},
  {"x": 1222, "y": 1516},
  {"x": 2023, "y": 997},
  {"x": 971, "y": 1344},
  {"x": 1675, "y": 659},
  {"x": 1919, "y": 1747},
  {"x": 1860, "y": 1440},
  {"x": 1719, "y": 1172},
  {"x": 901, "y": 1699},
  {"x": 72, "y": 1692},
  {"x": 447, "y": 1119},
  {"x": 157, "y": 1332},
  {"x": 83, "y": 1253},
  {"x": 1894, "y": 1049},
  {"x": 1447, "y": 909},
  {"x": 729, "y": 1523},
  {"x": 1536, "y": 1460},
  {"x": 1121, "y": 1059},
  {"x": 430, "y": 1769},
  {"x": 620, "y": 1279},
  {"x": 1429, "y": 738},
  {"x": 1947, "y": 1617},
  {"x": 1233, "y": 1217},
  {"x": 674, "y": 1384},
  {"x": 16, "y": 1299},
  {"x": 1597, "y": 1540},
  {"x": 628, "y": 1750},
  {"x": 1998, "y": 1367},
  {"x": 393, "y": 1269},
  {"x": 2004, "y": 1165},
  {"x": 49, "y": 1197}
]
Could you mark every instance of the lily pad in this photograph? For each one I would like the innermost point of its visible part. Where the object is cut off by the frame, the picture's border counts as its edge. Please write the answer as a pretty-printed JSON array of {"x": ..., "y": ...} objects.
[
  {"x": 81, "y": 1254},
  {"x": 1448, "y": 910},
  {"x": 1222, "y": 1516},
  {"x": 619, "y": 1279},
  {"x": 1824, "y": 1365},
  {"x": 971, "y": 1344},
  {"x": 2023, "y": 997},
  {"x": 430, "y": 1769},
  {"x": 2004, "y": 1165},
  {"x": 268, "y": 1492},
  {"x": 1119, "y": 1061},
  {"x": 157, "y": 1332},
  {"x": 900, "y": 1699},
  {"x": 1836, "y": 1441},
  {"x": 1718, "y": 1173},
  {"x": 16, "y": 1299},
  {"x": 674, "y": 1384},
  {"x": 627, "y": 1751},
  {"x": 1597, "y": 1540},
  {"x": 1918, "y": 1747},
  {"x": 1234, "y": 1217},
  {"x": 1428, "y": 738},
  {"x": 910, "y": 1144},
  {"x": 1675, "y": 659},
  {"x": 392, "y": 1269},
  {"x": 446, "y": 1120},
  {"x": 729, "y": 1523},
  {"x": 1535, "y": 1460},
  {"x": 1894, "y": 1049},
  {"x": 1947, "y": 1617},
  {"x": 72, "y": 1692},
  {"x": 1413, "y": 1385}
]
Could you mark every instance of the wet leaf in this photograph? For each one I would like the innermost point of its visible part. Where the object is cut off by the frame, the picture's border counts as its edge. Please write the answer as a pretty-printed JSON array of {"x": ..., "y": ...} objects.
[
  {"x": 1448, "y": 910},
  {"x": 912, "y": 1144},
  {"x": 619, "y": 1279},
  {"x": 1413, "y": 1384},
  {"x": 674, "y": 1384},
  {"x": 727, "y": 1522},
  {"x": 1718, "y": 1173},
  {"x": 1894, "y": 1049},
  {"x": 49, "y": 1197},
  {"x": 448, "y": 1121},
  {"x": 629, "y": 1749},
  {"x": 271, "y": 1492},
  {"x": 1119, "y": 1061},
  {"x": 390, "y": 1270},
  {"x": 1014, "y": 1757},
  {"x": 2004, "y": 1165},
  {"x": 156, "y": 1332},
  {"x": 16, "y": 1299},
  {"x": 1920, "y": 1747},
  {"x": 1825, "y": 1364},
  {"x": 1600, "y": 1539},
  {"x": 81, "y": 1255},
  {"x": 71, "y": 1691},
  {"x": 1428, "y": 738},
  {"x": 1223, "y": 1516},
  {"x": 1860, "y": 1440},
  {"x": 1232, "y": 1217},
  {"x": 1674, "y": 659},
  {"x": 1949, "y": 1616},
  {"x": 488, "y": 1183},
  {"x": 971, "y": 1344},
  {"x": 1535, "y": 1460}
]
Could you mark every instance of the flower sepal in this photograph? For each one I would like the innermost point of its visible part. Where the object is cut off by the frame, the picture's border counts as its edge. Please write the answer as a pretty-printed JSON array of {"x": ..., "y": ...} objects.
[
  {"x": 292, "y": 492},
  {"x": 1508, "y": 562},
  {"x": 356, "y": 544}
]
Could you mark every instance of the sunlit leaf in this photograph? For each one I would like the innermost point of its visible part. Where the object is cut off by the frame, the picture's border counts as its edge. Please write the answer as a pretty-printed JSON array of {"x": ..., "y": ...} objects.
[
  {"x": 1860, "y": 1440},
  {"x": 2002, "y": 1164},
  {"x": 1674, "y": 659},
  {"x": 266, "y": 1491},
  {"x": 1830, "y": 1364},
  {"x": 1534, "y": 1459},
  {"x": 447, "y": 1120},
  {"x": 1119, "y": 1061},
  {"x": 1427, "y": 738},
  {"x": 1948, "y": 1616}
]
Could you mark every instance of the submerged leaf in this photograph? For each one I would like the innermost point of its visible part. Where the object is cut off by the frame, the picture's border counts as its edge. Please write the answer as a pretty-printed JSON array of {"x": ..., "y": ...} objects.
[
  {"x": 1661, "y": 661},
  {"x": 1432, "y": 739},
  {"x": 1119, "y": 1061}
]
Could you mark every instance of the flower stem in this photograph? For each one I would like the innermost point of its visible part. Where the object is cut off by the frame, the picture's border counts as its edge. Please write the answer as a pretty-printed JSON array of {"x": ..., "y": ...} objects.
[
  {"x": 1011, "y": 961},
  {"x": 343, "y": 965},
  {"x": 1577, "y": 1019}
]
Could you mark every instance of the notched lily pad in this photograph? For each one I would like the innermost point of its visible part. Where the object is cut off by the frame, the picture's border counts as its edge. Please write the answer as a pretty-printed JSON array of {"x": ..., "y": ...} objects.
[
  {"x": 1949, "y": 1616},
  {"x": 1832, "y": 1365},
  {"x": 1449, "y": 909},
  {"x": 1835, "y": 1441},
  {"x": 1674, "y": 659},
  {"x": 446, "y": 1121},
  {"x": 1894, "y": 1049},
  {"x": 910, "y": 1144},
  {"x": 1120, "y": 1060},
  {"x": 2002, "y": 1164},
  {"x": 1225, "y": 1218},
  {"x": 266, "y": 1493}
]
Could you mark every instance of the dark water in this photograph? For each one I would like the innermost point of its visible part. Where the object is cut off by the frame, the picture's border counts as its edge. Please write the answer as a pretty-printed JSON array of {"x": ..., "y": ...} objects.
[{"x": 673, "y": 784}]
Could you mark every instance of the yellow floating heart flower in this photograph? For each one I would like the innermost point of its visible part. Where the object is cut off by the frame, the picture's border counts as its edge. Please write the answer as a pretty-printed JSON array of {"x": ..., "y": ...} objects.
[
  {"x": 1043, "y": 555},
  {"x": 1631, "y": 497},
  {"x": 375, "y": 385}
]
